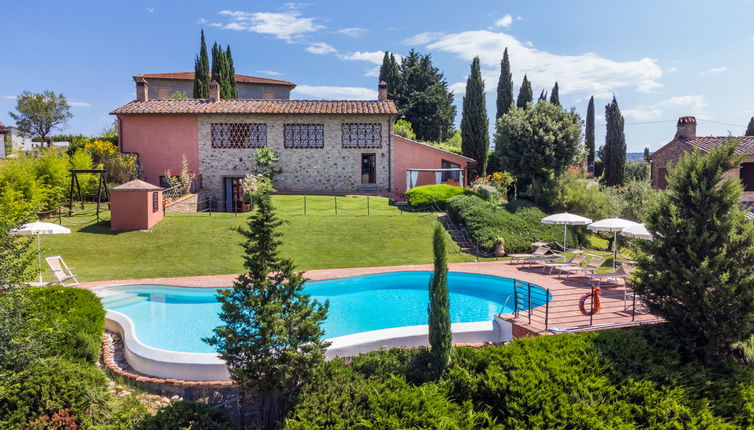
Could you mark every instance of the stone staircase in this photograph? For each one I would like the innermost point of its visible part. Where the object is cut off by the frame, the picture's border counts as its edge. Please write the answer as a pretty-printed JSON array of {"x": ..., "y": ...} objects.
[{"x": 459, "y": 234}]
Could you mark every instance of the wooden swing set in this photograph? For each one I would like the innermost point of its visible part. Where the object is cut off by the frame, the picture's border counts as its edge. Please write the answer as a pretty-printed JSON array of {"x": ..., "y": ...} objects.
[{"x": 76, "y": 188}]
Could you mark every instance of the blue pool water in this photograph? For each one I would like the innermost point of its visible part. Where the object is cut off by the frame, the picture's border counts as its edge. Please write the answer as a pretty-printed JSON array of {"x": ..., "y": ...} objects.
[{"x": 177, "y": 318}]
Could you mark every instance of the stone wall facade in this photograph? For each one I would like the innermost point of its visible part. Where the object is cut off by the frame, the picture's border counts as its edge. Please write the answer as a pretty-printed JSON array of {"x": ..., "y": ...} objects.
[
  {"x": 328, "y": 169},
  {"x": 666, "y": 157},
  {"x": 164, "y": 88}
]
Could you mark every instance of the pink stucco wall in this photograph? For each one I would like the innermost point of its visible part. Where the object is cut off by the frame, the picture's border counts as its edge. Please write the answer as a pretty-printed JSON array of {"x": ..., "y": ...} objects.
[
  {"x": 133, "y": 210},
  {"x": 161, "y": 141},
  {"x": 408, "y": 154}
]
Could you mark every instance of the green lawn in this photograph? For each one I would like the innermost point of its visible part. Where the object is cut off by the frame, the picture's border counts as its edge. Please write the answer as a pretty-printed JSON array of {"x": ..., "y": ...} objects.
[{"x": 199, "y": 244}]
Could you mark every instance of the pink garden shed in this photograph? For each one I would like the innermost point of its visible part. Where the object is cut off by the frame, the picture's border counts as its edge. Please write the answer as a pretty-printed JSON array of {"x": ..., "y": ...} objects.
[{"x": 135, "y": 205}]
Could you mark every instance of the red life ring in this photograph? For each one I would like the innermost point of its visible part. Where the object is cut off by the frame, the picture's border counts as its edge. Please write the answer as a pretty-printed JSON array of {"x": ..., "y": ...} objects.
[{"x": 595, "y": 308}]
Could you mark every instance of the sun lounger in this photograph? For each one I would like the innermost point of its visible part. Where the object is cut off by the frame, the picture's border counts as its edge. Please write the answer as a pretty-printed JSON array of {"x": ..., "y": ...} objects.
[
  {"x": 623, "y": 272},
  {"x": 539, "y": 252},
  {"x": 576, "y": 260},
  {"x": 61, "y": 272},
  {"x": 591, "y": 266}
]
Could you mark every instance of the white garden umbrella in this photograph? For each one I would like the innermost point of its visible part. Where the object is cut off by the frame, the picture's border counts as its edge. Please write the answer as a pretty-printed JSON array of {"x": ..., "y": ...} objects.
[
  {"x": 613, "y": 225},
  {"x": 565, "y": 219},
  {"x": 39, "y": 228},
  {"x": 638, "y": 231}
]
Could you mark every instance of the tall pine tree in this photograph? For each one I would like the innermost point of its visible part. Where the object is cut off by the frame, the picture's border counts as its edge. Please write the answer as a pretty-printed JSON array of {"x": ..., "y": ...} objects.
[
  {"x": 390, "y": 73},
  {"x": 231, "y": 88},
  {"x": 615, "y": 146},
  {"x": 525, "y": 94},
  {"x": 589, "y": 132},
  {"x": 750, "y": 128},
  {"x": 440, "y": 335},
  {"x": 555, "y": 95},
  {"x": 504, "y": 87},
  {"x": 474, "y": 126},
  {"x": 201, "y": 72}
]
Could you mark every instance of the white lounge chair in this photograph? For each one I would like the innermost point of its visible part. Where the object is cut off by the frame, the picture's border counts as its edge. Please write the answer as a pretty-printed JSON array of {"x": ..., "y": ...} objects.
[
  {"x": 576, "y": 260},
  {"x": 623, "y": 272},
  {"x": 539, "y": 252},
  {"x": 61, "y": 272},
  {"x": 590, "y": 267}
]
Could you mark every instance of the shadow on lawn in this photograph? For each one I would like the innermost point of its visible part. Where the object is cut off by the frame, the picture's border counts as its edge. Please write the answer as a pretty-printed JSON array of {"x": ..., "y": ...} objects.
[{"x": 102, "y": 227}]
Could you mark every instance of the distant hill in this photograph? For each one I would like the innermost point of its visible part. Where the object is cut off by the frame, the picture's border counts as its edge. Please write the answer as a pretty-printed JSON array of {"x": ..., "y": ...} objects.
[{"x": 634, "y": 156}]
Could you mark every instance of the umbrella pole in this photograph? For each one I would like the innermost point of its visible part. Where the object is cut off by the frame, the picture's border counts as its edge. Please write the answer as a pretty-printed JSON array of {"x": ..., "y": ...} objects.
[
  {"x": 565, "y": 230},
  {"x": 615, "y": 249},
  {"x": 39, "y": 257}
]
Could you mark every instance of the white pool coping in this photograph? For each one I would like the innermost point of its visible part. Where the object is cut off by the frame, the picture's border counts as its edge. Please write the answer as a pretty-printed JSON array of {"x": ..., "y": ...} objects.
[{"x": 195, "y": 366}]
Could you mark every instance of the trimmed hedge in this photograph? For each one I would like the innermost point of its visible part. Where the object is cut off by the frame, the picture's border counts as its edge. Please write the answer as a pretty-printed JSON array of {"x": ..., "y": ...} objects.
[
  {"x": 421, "y": 197},
  {"x": 519, "y": 227},
  {"x": 632, "y": 378}
]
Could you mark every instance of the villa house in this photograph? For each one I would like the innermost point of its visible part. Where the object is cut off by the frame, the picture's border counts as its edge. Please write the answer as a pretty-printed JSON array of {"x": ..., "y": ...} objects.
[
  {"x": 163, "y": 85},
  {"x": 331, "y": 146},
  {"x": 685, "y": 140}
]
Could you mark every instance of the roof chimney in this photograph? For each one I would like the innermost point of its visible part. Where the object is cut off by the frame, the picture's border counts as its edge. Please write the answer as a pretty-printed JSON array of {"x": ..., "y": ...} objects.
[
  {"x": 382, "y": 91},
  {"x": 686, "y": 128},
  {"x": 142, "y": 90},
  {"x": 214, "y": 91}
]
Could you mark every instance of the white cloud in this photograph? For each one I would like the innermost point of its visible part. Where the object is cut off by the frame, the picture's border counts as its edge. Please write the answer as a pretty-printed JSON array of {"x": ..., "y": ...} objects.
[
  {"x": 692, "y": 103},
  {"x": 587, "y": 73},
  {"x": 713, "y": 70},
  {"x": 320, "y": 48},
  {"x": 423, "y": 38},
  {"x": 80, "y": 104},
  {"x": 10, "y": 97},
  {"x": 352, "y": 31},
  {"x": 374, "y": 57},
  {"x": 336, "y": 93},
  {"x": 642, "y": 113},
  {"x": 286, "y": 25},
  {"x": 269, "y": 72},
  {"x": 678, "y": 104},
  {"x": 150, "y": 9},
  {"x": 505, "y": 21},
  {"x": 671, "y": 70}
]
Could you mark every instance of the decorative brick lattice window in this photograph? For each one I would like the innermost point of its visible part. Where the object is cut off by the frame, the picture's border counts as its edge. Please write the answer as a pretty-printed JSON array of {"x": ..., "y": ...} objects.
[
  {"x": 304, "y": 136},
  {"x": 362, "y": 135},
  {"x": 239, "y": 135}
]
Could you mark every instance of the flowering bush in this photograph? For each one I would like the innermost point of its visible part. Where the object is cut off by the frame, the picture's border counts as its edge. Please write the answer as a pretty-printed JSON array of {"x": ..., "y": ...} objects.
[
  {"x": 183, "y": 179},
  {"x": 255, "y": 184},
  {"x": 106, "y": 155},
  {"x": 493, "y": 187}
]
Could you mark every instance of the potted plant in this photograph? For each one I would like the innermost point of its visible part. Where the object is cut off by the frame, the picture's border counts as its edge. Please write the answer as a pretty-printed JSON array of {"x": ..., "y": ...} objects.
[{"x": 499, "y": 246}]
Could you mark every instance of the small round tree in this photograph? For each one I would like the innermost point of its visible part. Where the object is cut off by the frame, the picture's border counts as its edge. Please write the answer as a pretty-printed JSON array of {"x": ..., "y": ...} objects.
[
  {"x": 698, "y": 272},
  {"x": 440, "y": 336}
]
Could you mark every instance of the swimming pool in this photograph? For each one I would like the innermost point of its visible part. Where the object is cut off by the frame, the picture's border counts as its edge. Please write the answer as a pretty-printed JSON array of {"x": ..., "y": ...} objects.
[{"x": 177, "y": 318}]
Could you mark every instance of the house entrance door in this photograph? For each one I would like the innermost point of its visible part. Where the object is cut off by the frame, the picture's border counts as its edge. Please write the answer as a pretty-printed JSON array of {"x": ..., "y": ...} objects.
[
  {"x": 233, "y": 195},
  {"x": 368, "y": 168}
]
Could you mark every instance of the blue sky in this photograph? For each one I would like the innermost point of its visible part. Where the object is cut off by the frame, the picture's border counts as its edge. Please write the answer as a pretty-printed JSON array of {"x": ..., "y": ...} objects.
[{"x": 662, "y": 59}]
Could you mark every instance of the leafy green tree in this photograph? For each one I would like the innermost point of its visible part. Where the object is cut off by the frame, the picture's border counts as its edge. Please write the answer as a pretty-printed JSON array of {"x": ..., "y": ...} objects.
[
  {"x": 38, "y": 114},
  {"x": 525, "y": 94},
  {"x": 404, "y": 128},
  {"x": 425, "y": 100},
  {"x": 201, "y": 72},
  {"x": 538, "y": 144},
  {"x": 231, "y": 88},
  {"x": 390, "y": 73},
  {"x": 555, "y": 95},
  {"x": 440, "y": 335},
  {"x": 750, "y": 128},
  {"x": 272, "y": 334},
  {"x": 474, "y": 123},
  {"x": 504, "y": 87},
  {"x": 698, "y": 272},
  {"x": 589, "y": 132},
  {"x": 615, "y": 146}
]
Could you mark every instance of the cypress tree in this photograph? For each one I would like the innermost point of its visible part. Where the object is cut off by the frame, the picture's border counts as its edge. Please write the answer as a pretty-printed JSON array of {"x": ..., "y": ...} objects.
[
  {"x": 201, "y": 72},
  {"x": 440, "y": 336},
  {"x": 232, "y": 88},
  {"x": 615, "y": 146},
  {"x": 390, "y": 72},
  {"x": 542, "y": 97},
  {"x": 750, "y": 128},
  {"x": 504, "y": 87},
  {"x": 646, "y": 154},
  {"x": 525, "y": 94},
  {"x": 219, "y": 68},
  {"x": 698, "y": 272},
  {"x": 589, "y": 132},
  {"x": 474, "y": 126},
  {"x": 555, "y": 95}
]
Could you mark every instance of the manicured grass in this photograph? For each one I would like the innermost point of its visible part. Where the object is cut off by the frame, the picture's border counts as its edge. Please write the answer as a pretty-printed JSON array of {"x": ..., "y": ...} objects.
[{"x": 200, "y": 244}]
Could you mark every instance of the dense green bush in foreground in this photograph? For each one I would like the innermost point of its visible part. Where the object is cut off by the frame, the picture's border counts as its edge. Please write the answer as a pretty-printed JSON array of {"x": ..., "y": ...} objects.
[
  {"x": 424, "y": 196},
  {"x": 187, "y": 415},
  {"x": 633, "y": 378},
  {"x": 519, "y": 227}
]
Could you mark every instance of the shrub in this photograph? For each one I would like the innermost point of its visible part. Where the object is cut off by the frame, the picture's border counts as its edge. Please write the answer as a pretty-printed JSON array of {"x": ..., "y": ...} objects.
[
  {"x": 187, "y": 415},
  {"x": 421, "y": 197},
  {"x": 404, "y": 128},
  {"x": 519, "y": 228},
  {"x": 584, "y": 197},
  {"x": 120, "y": 167}
]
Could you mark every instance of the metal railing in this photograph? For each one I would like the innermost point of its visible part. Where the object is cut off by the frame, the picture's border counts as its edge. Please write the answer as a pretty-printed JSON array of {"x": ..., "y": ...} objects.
[{"x": 531, "y": 302}]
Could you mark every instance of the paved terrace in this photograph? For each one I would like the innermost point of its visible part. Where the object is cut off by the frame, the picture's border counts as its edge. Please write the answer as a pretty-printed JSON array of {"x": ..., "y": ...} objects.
[{"x": 563, "y": 308}]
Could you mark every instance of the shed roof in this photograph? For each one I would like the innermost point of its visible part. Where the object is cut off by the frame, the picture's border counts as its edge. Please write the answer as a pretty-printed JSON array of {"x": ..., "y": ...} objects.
[{"x": 136, "y": 185}]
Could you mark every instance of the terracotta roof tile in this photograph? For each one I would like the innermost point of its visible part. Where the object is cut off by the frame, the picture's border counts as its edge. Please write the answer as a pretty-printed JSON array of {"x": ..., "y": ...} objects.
[
  {"x": 239, "y": 78},
  {"x": 257, "y": 106},
  {"x": 706, "y": 143}
]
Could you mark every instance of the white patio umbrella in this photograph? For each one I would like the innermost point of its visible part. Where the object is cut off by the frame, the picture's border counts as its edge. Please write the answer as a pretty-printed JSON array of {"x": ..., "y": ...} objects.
[
  {"x": 565, "y": 219},
  {"x": 613, "y": 225},
  {"x": 638, "y": 231},
  {"x": 39, "y": 228}
]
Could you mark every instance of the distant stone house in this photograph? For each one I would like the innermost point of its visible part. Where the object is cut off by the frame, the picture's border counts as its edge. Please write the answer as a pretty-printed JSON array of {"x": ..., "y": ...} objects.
[
  {"x": 325, "y": 146},
  {"x": 3, "y": 132},
  {"x": 685, "y": 140},
  {"x": 164, "y": 85}
]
